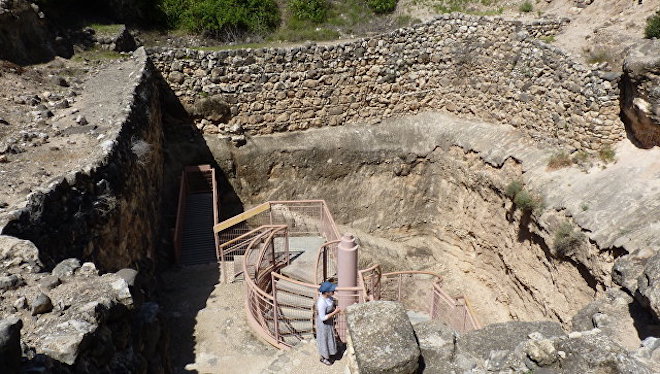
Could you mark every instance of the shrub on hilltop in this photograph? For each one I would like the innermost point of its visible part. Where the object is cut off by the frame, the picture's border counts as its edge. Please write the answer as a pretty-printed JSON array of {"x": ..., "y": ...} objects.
[
  {"x": 652, "y": 29},
  {"x": 225, "y": 19},
  {"x": 309, "y": 10},
  {"x": 382, "y": 6}
]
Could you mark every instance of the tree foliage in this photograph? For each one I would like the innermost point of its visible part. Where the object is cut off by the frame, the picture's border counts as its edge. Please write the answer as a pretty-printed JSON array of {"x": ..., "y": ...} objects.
[
  {"x": 222, "y": 18},
  {"x": 309, "y": 10},
  {"x": 382, "y": 6}
]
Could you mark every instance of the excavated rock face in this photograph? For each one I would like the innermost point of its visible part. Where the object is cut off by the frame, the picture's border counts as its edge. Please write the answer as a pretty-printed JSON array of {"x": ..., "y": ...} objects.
[
  {"x": 640, "y": 94},
  {"x": 618, "y": 316},
  {"x": 649, "y": 285},
  {"x": 24, "y": 36},
  {"x": 383, "y": 338},
  {"x": 524, "y": 347}
]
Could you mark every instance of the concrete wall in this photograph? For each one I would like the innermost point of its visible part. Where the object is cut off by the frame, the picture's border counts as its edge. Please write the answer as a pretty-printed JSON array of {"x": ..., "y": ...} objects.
[{"x": 482, "y": 67}]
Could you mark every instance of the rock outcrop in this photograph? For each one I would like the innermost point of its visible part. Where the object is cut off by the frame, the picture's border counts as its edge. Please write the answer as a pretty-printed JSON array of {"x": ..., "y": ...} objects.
[
  {"x": 10, "y": 345},
  {"x": 619, "y": 316},
  {"x": 649, "y": 285},
  {"x": 75, "y": 321},
  {"x": 383, "y": 338},
  {"x": 640, "y": 92},
  {"x": 524, "y": 347},
  {"x": 24, "y": 34}
]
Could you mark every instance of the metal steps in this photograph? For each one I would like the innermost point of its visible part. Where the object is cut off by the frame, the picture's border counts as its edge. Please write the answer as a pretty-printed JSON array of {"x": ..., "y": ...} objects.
[
  {"x": 303, "y": 267},
  {"x": 198, "y": 244}
]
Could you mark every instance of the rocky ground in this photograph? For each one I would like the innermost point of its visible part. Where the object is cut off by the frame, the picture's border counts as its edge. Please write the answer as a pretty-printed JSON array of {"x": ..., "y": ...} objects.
[
  {"x": 600, "y": 31},
  {"x": 48, "y": 127},
  {"x": 391, "y": 343},
  {"x": 209, "y": 322},
  {"x": 73, "y": 320}
]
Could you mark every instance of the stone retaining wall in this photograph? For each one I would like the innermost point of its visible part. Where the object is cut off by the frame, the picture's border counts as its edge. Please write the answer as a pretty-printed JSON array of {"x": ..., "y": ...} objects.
[
  {"x": 483, "y": 67},
  {"x": 108, "y": 212}
]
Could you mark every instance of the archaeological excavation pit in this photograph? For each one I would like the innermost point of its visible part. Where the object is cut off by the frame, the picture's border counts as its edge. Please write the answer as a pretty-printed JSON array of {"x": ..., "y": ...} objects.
[{"x": 487, "y": 180}]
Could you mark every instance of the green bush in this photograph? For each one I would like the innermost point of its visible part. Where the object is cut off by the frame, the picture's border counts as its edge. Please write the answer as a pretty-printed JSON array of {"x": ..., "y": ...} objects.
[
  {"x": 567, "y": 239},
  {"x": 607, "y": 154},
  {"x": 513, "y": 188},
  {"x": 173, "y": 9},
  {"x": 226, "y": 19},
  {"x": 523, "y": 199},
  {"x": 652, "y": 29},
  {"x": 527, "y": 202},
  {"x": 526, "y": 7},
  {"x": 382, "y": 6},
  {"x": 309, "y": 10}
]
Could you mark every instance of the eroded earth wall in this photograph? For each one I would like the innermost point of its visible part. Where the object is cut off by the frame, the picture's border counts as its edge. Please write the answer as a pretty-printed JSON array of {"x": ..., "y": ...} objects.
[
  {"x": 422, "y": 192},
  {"x": 108, "y": 212},
  {"x": 480, "y": 67}
]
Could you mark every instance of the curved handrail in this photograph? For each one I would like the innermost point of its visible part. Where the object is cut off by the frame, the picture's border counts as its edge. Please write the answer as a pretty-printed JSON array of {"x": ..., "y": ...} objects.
[
  {"x": 394, "y": 273},
  {"x": 272, "y": 322},
  {"x": 248, "y": 279},
  {"x": 319, "y": 256}
]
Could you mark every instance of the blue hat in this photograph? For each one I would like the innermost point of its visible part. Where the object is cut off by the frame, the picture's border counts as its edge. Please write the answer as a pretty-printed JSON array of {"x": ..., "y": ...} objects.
[{"x": 327, "y": 287}]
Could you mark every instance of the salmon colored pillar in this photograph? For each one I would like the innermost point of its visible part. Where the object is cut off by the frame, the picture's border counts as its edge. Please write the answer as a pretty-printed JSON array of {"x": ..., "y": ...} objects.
[{"x": 347, "y": 263}]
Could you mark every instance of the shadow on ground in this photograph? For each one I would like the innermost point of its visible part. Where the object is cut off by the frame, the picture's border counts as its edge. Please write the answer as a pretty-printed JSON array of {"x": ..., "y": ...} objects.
[{"x": 186, "y": 292}]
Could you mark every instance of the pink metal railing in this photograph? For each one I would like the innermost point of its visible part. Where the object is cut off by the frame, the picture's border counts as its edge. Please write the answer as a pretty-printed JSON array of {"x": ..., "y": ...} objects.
[
  {"x": 302, "y": 218},
  {"x": 281, "y": 310},
  {"x": 194, "y": 179},
  {"x": 326, "y": 261},
  {"x": 369, "y": 279},
  {"x": 180, "y": 211},
  {"x": 455, "y": 312},
  {"x": 422, "y": 291}
]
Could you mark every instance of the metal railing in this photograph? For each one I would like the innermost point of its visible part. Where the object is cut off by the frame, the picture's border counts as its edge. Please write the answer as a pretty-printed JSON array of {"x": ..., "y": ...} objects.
[
  {"x": 455, "y": 312},
  {"x": 422, "y": 291},
  {"x": 281, "y": 310},
  {"x": 302, "y": 218},
  {"x": 194, "y": 179}
]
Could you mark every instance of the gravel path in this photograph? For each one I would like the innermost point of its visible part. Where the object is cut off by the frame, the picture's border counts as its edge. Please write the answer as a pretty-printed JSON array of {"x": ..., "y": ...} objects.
[{"x": 210, "y": 335}]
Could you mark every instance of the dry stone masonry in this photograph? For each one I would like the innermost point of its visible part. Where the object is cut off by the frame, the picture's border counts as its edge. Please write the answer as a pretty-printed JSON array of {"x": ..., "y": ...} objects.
[{"x": 483, "y": 67}]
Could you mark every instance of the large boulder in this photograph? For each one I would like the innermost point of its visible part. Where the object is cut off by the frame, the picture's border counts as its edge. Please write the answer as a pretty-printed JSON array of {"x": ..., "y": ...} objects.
[
  {"x": 438, "y": 348},
  {"x": 10, "y": 345},
  {"x": 595, "y": 352},
  {"x": 24, "y": 34},
  {"x": 504, "y": 337},
  {"x": 640, "y": 93},
  {"x": 212, "y": 108},
  {"x": 649, "y": 285},
  {"x": 612, "y": 315},
  {"x": 383, "y": 338},
  {"x": 16, "y": 252}
]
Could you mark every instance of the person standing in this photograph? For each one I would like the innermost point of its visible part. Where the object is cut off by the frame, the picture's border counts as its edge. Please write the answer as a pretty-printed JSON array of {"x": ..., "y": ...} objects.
[{"x": 326, "y": 311}]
